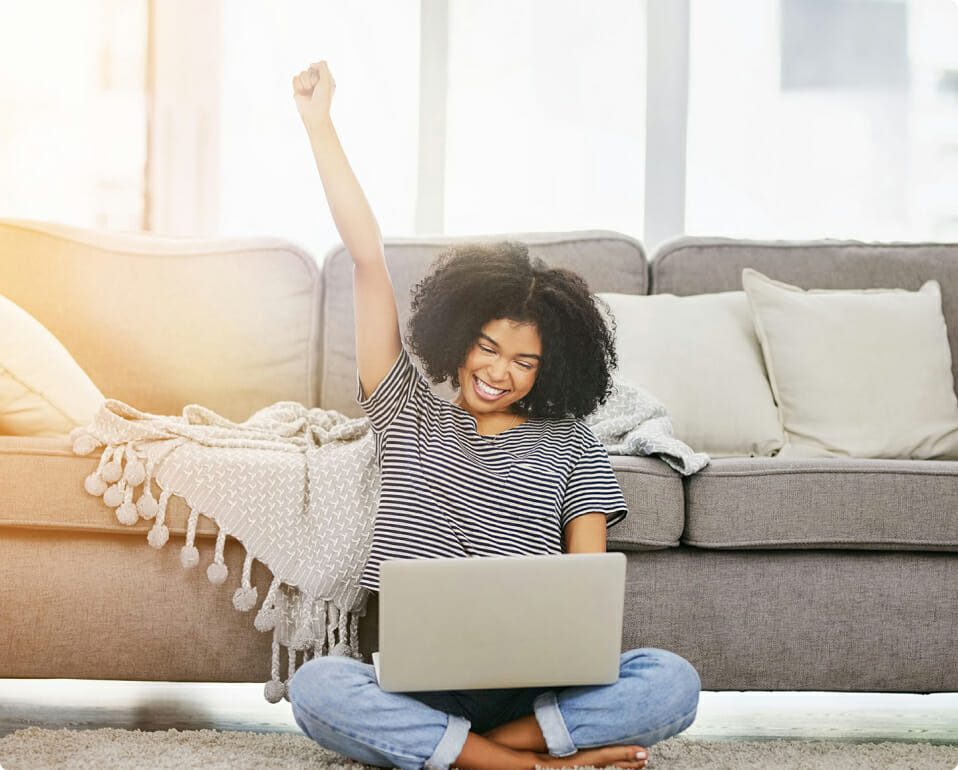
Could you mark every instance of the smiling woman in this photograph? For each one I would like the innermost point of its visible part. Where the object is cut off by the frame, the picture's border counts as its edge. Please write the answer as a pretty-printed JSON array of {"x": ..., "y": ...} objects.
[{"x": 508, "y": 469}]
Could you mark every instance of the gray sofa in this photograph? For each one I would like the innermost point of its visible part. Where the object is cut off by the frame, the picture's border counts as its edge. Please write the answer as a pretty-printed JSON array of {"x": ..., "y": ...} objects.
[{"x": 765, "y": 573}]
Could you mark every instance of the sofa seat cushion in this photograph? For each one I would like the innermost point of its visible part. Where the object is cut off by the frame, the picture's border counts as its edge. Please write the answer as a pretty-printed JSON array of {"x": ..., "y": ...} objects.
[
  {"x": 828, "y": 503},
  {"x": 655, "y": 498},
  {"x": 41, "y": 487}
]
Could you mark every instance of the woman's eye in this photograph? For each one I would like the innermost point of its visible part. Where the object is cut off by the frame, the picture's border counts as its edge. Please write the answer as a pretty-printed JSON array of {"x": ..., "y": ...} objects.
[
  {"x": 524, "y": 365},
  {"x": 484, "y": 349}
]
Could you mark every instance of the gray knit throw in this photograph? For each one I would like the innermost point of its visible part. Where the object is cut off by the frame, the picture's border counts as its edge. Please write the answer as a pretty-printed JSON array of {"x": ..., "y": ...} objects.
[{"x": 634, "y": 422}]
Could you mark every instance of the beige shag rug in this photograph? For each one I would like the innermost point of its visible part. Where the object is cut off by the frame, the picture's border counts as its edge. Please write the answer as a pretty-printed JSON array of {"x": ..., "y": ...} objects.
[{"x": 35, "y": 748}]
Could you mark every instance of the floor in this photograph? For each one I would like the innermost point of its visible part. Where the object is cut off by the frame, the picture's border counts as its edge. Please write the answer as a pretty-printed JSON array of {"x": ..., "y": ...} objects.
[{"x": 84, "y": 704}]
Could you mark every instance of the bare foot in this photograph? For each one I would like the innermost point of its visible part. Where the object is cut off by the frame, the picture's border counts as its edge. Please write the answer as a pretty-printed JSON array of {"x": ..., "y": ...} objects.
[{"x": 604, "y": 756}]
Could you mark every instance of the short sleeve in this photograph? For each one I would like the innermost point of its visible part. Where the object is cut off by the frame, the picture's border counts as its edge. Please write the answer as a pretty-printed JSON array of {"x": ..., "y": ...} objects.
[
  {"x": 393, "y": 394},
  {"x": 592, "y": 486}
]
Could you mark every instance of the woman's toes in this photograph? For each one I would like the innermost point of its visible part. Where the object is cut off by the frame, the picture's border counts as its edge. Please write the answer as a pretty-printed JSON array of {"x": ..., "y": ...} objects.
[
  {"x": 631, "y": 756},
  {"x": 632, "y": 753},
  {"x": 620, "y": 756}
]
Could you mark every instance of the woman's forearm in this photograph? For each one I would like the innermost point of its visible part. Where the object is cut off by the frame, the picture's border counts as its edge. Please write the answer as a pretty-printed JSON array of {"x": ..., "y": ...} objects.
[{"x": 351, "y": 211}]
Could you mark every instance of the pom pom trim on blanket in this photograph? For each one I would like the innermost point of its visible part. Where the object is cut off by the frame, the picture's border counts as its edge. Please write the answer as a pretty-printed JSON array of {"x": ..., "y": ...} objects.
[{"x": 325, "y": 464}]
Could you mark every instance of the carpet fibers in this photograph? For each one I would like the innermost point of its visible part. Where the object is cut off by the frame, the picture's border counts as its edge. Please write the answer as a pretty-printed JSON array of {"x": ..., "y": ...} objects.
[{"x": 35, "y": 748}]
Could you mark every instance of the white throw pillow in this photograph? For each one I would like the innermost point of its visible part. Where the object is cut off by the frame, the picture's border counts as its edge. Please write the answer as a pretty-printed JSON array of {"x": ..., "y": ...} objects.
[
  {"x": 43, "y": 392},
  {"x": 857, "y": 373},
  {"x": 699, "y": 356}
]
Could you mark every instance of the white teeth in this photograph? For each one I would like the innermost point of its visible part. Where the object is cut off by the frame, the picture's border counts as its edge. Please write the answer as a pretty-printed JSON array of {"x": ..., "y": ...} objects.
[{"x": 487, "y": 389}]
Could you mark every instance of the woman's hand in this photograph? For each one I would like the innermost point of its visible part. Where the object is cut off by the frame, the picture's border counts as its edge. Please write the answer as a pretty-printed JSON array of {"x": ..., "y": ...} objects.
[{"x": 313, "y": 91}]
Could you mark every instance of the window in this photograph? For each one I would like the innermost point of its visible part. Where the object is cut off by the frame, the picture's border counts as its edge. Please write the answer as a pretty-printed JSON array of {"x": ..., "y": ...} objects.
[
  {"x": 73, "y": 112},
  {"x": 546, "y": 116},
  {"x": 268, "y": 183},
  {"x": 823, "y": 118},
  {"x": 805, "y": 118}
]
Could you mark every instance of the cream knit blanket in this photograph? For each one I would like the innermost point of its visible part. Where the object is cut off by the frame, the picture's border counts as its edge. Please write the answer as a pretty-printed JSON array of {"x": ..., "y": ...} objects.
[{"x": 295, "y": 486}]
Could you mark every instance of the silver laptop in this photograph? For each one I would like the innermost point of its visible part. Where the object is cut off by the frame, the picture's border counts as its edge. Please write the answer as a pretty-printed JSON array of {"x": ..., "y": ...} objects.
[{"x": 500, "y": 621}]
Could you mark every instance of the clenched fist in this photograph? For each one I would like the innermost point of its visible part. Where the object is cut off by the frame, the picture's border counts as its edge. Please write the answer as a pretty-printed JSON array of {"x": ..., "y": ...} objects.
[{"x": 313, "y": 91}]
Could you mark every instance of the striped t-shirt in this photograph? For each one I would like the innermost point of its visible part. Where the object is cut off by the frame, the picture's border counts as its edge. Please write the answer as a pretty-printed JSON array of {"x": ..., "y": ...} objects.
[{"x": 448, "y": 491}]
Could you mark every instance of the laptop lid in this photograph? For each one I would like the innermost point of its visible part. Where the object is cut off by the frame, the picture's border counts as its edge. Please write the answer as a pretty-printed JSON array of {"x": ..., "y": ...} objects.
[{"x": 500, "y": 621}]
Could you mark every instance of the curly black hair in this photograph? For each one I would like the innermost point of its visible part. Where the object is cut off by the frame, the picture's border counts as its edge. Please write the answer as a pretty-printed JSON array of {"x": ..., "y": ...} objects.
[{"x": 471, "y": 284}]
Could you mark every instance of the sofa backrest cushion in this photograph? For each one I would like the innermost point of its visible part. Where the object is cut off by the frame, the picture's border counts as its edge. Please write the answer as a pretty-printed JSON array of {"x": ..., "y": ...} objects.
[
  {"x": 231, "y": 324},
  {"x": 695, "y": 265},
  {"x": 609, "y": 261}
]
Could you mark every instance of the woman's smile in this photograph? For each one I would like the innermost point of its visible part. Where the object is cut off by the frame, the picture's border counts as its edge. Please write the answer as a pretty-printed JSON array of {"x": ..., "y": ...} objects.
[{"x": 486, "y": 391}]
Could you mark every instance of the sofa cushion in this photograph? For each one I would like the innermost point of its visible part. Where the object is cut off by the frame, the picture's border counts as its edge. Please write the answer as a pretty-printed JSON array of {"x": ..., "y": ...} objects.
[
  {"x": 655, "y": 499},
  {"x": 823, "y": 503},
  {"x": 700, "y": 357},
  {"x": 697, "y": 265},
  {"x": 857, "y": 372},
  {"x": 43, "y": 391},
  {"x": 161, "y": 322},
  {"x": 609, "y": 261},
  {"x": 41, "y": 487}
]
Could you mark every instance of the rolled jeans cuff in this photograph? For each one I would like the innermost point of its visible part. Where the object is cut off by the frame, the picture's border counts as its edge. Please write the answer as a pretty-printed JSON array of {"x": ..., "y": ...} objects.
[
  {"x": 558, "y": 740},
  {"x": 450, "y": 745}
]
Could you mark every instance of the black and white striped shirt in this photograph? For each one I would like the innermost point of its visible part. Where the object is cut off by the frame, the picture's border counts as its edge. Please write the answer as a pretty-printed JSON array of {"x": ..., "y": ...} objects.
[{"x": 448, "y": 491}]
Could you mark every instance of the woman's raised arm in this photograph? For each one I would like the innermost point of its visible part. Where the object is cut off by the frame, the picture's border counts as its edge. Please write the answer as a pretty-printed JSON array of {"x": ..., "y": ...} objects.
[{"x": 377, "y": 320}]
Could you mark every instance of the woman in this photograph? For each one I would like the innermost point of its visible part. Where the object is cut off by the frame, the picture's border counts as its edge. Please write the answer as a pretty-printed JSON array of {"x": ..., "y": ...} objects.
[{"x": 507, "y": 468}]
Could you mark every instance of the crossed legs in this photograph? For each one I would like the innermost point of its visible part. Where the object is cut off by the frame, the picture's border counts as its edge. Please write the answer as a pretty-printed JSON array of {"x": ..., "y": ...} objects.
[{"x": 338, "y": 703}]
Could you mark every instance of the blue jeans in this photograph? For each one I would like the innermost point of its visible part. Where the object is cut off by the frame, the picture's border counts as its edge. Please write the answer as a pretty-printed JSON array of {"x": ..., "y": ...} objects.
[{"x": 338, "y": 703}]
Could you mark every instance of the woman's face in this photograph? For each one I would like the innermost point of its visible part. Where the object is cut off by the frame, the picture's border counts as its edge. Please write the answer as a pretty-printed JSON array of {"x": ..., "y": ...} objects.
[{"x": 501, "y": 367}]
